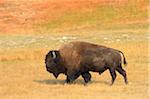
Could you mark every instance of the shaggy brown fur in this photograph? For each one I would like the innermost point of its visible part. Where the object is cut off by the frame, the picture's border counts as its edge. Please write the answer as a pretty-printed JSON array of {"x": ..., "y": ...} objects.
[{"x": 78, "y": 58}]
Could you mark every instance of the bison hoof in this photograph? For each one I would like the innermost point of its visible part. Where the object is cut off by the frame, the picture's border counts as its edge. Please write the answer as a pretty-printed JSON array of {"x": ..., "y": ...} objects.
[
  {"x": 126, "y": 82},
  {"x": 65, "y": 83},
  {"x": 86, "y": 84},
  {"x": 111, "y": 83}
]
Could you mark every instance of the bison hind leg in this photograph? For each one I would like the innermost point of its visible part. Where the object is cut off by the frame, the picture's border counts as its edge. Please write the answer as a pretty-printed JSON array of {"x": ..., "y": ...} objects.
[
  {"x": 67, "y": 80},
  {"x": 113, "y": 75},
  {"x": 123, "y": 73},
  {"x": 86, "y": 76}
]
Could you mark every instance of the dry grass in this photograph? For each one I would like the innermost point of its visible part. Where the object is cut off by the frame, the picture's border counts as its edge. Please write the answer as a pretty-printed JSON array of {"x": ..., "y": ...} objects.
[
  {"x": 23, "y": 75},
  {"x": 30, "y": 28}
]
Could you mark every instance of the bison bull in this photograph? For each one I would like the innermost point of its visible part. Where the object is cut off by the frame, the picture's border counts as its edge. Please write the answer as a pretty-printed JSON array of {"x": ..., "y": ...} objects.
[{"x": 78, "y": 58}]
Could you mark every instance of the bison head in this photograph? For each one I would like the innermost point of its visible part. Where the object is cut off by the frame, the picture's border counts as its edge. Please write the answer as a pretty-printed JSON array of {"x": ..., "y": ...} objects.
[{"x": 52, "y": 62}]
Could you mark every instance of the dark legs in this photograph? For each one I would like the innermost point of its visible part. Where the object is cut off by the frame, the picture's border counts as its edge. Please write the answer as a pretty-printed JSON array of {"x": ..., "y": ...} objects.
[
  {"x": 67, "y": 80},
  {"x": 113, "y": 75},
  {"x": 123, "y": 73},
  {"x": 86, "y": 76},
  {"x": 72, "y": 76}
]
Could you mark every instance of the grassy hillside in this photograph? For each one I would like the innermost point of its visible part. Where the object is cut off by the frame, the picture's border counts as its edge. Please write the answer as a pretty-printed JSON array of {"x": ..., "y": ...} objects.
[
  {"x": 61, "y": 15},
  {"x": 128, "y": 15}
]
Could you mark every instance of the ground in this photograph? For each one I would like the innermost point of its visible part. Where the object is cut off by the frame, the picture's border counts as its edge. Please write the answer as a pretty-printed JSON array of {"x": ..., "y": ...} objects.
[{"x": 30, "y": 28}]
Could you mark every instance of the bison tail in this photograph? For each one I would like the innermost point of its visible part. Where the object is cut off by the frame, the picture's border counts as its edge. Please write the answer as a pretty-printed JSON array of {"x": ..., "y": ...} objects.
[{"x": 124, "y": 59}]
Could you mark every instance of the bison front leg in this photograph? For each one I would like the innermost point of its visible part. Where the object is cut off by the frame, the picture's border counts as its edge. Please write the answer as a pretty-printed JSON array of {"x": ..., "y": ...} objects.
[
  {"x": 86, "y": 76},
  {"x": 72, "y": 75},
  {"x": 67, "y": 80}
]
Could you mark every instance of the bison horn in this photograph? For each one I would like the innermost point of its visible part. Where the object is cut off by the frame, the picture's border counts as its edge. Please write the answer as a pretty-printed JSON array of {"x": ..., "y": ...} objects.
[{"x": 53, "y": 54}]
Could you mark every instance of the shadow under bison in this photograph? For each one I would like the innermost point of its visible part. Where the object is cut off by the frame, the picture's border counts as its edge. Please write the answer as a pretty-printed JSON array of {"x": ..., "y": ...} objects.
[{"x": 62, "y": 82}]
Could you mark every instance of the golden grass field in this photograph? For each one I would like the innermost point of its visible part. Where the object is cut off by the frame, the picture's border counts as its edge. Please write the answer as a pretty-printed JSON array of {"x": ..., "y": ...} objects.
[{"x": 30, "y": 28}]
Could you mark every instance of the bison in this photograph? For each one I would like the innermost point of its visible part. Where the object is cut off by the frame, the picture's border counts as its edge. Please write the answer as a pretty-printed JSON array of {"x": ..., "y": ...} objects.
[{"x": 78, "y": 58}]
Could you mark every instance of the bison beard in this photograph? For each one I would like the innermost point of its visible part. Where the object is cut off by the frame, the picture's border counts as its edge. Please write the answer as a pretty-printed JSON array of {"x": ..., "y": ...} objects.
[{"x": 78, "y": 58}]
